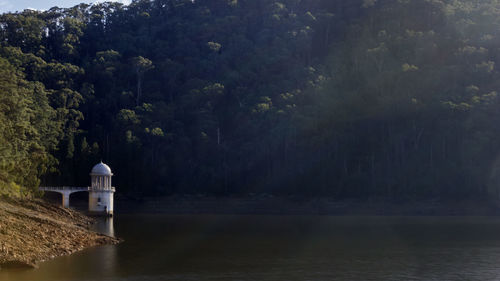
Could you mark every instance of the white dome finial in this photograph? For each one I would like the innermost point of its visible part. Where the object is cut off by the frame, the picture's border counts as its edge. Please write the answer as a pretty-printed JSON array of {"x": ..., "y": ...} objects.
[{"x": 101, "y": 169}]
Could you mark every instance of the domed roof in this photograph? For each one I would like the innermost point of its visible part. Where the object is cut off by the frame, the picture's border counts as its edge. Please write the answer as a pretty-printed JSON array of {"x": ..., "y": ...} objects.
[{"x": 101, "y": 169}]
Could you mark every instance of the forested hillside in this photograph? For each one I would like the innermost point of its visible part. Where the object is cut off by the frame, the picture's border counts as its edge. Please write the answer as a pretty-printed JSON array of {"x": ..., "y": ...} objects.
[{"x": 350, "y": 99}]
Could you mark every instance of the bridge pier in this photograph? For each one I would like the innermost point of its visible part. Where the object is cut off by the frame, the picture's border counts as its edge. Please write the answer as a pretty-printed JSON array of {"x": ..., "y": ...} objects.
[
  {"x": 65, "y": 191},
  {"x": 65, "y": 199}
]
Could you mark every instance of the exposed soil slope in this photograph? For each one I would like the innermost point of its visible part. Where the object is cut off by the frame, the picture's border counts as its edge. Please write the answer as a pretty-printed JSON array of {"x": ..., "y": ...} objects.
[{"x": 32, "y": 231}]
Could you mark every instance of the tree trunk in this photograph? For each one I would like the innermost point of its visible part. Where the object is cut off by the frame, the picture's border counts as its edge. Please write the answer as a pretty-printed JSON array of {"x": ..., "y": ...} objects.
[{"x": 139, "y": 89}]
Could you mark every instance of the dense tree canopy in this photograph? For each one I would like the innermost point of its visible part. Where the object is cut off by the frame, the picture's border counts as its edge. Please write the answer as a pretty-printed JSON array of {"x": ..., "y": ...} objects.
[{"x": 365, "y": 98}]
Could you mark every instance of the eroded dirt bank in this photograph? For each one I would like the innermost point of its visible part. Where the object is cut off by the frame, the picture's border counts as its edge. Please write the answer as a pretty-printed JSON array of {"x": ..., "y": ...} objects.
[{"x": 32, "y": 231}]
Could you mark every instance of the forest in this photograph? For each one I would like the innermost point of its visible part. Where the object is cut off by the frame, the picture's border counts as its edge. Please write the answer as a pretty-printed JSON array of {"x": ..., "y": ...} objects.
[{"x": 394, "y": 99}]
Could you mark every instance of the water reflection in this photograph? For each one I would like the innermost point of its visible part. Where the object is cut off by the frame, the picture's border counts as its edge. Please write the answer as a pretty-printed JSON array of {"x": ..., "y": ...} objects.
[
  {"x": 105, "y": 257},
  {"x": 105, "y": 226},
  {"x": 283, "y": 248}
]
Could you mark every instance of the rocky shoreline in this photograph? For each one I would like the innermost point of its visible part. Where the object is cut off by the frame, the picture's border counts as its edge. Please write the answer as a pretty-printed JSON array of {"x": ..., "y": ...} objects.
[{"x": 32, "y": 231}]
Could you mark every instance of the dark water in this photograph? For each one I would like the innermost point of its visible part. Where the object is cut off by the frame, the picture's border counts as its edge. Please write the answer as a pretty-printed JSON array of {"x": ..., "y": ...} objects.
[{"x": 159, "y": 247}]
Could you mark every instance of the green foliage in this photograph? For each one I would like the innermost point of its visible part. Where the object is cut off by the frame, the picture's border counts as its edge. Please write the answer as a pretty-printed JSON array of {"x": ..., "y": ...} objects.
[
  {"x": 30, "y": 130},
  {"x": 358, "y": 98}
]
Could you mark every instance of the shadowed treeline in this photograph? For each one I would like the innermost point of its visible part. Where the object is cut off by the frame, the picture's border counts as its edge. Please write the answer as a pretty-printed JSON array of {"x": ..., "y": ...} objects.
[{"x": 349, "y": 99}]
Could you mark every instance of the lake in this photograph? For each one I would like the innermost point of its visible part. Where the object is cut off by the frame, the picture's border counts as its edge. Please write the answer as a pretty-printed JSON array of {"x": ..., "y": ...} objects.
[{"x": 164, "y": 247}]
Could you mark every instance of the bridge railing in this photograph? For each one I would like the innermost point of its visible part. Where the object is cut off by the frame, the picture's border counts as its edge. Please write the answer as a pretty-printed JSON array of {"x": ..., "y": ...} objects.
[
  {"x": 62, "y": 188},
  {"x": 112, "y": 188},
  {"x": 74, "y": 188}
]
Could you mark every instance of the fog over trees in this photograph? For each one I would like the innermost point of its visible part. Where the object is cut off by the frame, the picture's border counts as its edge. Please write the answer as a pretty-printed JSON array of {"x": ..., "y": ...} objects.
[{"x": 392, "y": 99}]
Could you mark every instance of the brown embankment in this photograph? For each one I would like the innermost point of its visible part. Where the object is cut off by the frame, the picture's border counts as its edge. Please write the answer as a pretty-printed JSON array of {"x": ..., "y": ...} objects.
[{"x": 32, "y": 231}]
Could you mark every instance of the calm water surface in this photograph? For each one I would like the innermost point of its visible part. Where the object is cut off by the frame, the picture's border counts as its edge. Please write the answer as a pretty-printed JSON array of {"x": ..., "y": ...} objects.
[{"x": 159, "y": 247}]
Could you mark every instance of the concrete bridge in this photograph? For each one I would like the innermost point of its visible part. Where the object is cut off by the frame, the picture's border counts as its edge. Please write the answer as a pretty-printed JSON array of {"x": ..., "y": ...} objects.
[
  {"x": 101, "y": 198},
  {"x": 66, "y": 191}
]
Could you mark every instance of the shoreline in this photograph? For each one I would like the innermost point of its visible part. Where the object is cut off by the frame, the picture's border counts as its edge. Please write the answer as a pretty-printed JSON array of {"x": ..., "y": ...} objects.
[
  {"x": 33, "y": 231},
  {"x": 269, "y": 205}
]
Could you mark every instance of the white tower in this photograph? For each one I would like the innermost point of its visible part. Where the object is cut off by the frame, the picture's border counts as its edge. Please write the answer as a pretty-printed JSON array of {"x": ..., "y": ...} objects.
[{"x": 101, "y": 191}]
